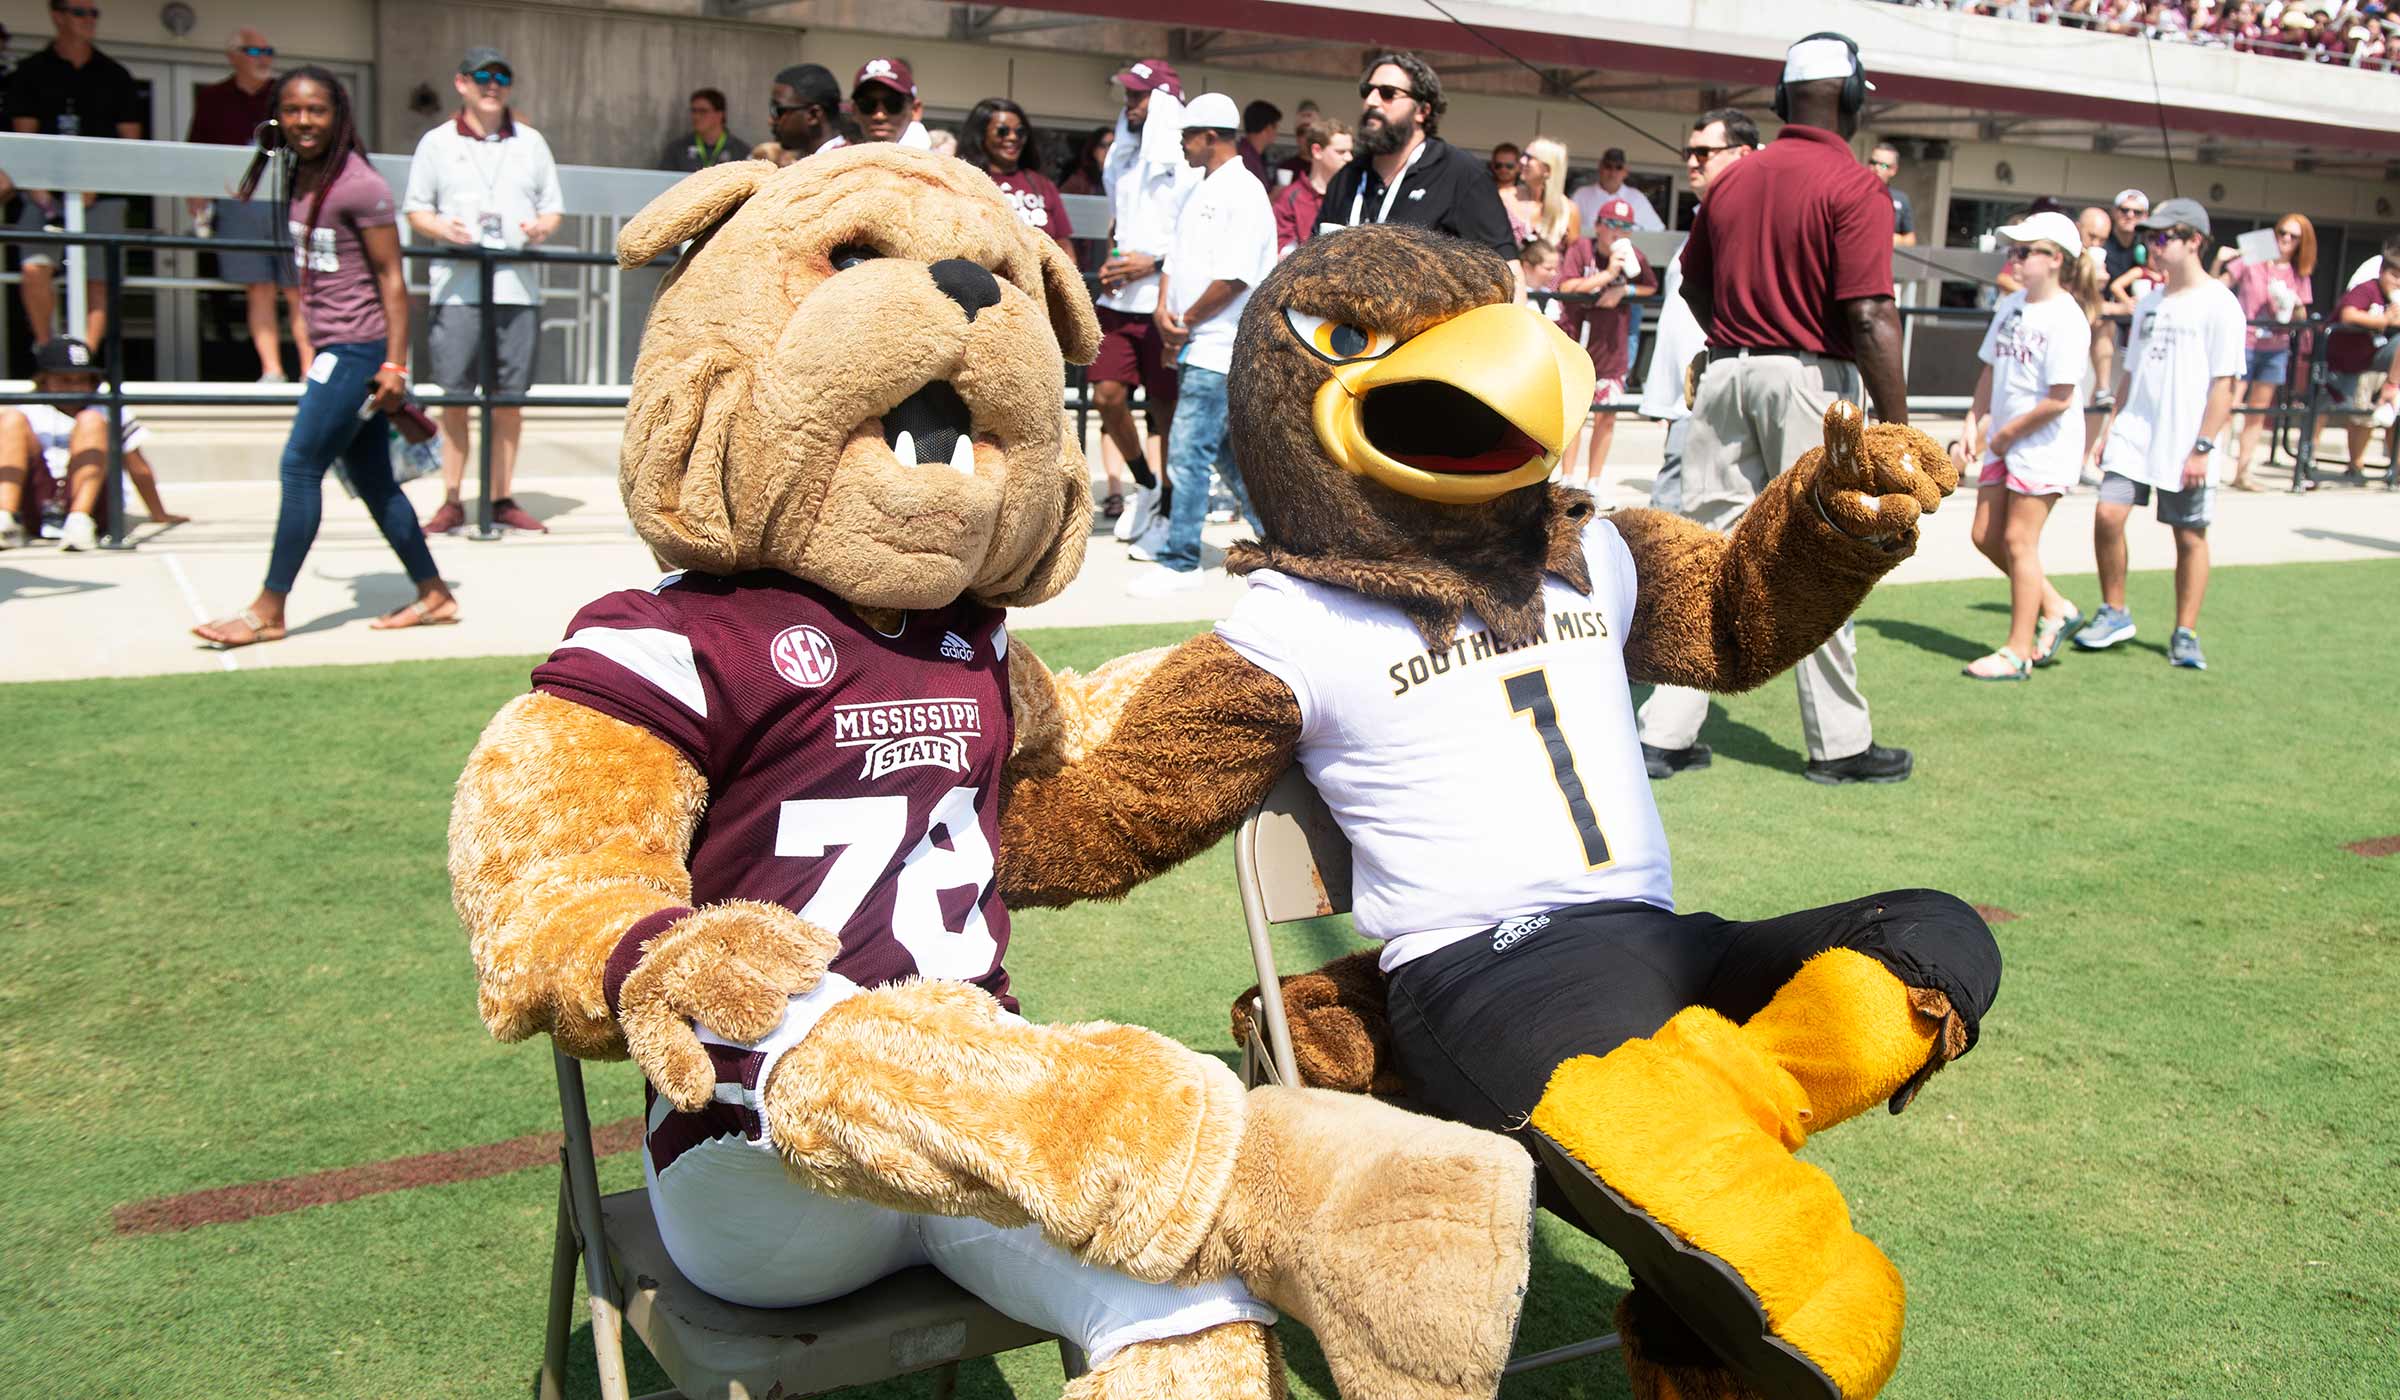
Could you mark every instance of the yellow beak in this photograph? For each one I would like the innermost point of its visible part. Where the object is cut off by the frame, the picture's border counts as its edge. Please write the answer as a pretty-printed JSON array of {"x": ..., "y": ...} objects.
[{"x": 1530, "y": 386}]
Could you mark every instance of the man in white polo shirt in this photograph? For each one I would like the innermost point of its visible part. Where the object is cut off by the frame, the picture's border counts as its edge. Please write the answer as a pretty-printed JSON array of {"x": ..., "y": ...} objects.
[
  {"x": 482, "y": 178},
  {"x": 1224, "y": 245}
]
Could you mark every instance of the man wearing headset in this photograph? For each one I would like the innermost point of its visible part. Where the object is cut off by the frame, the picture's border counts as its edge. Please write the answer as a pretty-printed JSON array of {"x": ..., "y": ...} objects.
[{"x": 1789, "y": 269}]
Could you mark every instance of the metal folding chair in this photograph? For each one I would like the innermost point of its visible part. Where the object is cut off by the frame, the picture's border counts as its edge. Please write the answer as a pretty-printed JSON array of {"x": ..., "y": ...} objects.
[
  {"x": 915, "y": 1320},
  {"x": 1292, "y": 862}
]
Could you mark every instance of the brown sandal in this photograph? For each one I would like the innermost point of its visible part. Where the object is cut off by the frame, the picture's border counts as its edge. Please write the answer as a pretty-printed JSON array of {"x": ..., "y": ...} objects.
[
  {"x": 418, "y": 613},
  {"x": 259, "y": 631}
]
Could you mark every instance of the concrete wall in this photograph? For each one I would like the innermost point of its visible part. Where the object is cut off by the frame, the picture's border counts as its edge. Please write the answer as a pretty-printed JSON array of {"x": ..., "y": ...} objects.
[{"x": 301, "y": 29}]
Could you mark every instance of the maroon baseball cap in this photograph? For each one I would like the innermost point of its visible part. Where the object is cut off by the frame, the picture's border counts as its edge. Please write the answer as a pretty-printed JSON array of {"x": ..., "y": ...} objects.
[
  {"x": 1616, "y": 213},
  {"x": 1147, "y": 74},
  {"x": 891, "y": 72}
]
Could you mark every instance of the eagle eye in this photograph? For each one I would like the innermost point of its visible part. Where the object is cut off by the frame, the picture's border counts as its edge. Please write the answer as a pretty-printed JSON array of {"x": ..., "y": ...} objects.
[{"x": 1338, "y": 342}]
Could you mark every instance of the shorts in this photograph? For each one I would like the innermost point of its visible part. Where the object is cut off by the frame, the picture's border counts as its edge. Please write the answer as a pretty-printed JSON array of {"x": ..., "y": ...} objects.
[
  {"x": 742, "y": 1227},
  {"x": 453, "y": 345},
  {"x": 2269, "y": 366},
  {"x": 1997, "y": 474},
  {"x": 2190, "y": 509},
  {"x": 2359, "y": 390},
  {"x": 1130, "y": 353},
  {"x": 100, "y": 216},
  {"x": 250, "y": 221}
]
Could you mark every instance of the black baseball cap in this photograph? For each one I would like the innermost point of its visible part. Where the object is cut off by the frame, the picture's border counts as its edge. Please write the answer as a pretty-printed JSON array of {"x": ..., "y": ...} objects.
[
  {"x": 485, "y": 56},
  {"x": 65, "y": 355},
  {"x": 814, "y": 84}
]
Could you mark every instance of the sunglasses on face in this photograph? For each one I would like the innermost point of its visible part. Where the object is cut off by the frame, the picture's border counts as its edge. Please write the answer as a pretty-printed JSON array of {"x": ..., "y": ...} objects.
[
  {"x": 1884, "y": 164},
  {"x": 889, "y": 104},
  {"x": 1504, "y": 167},
  {"x": 1702, "y": 153},
  {"x": 2131, "y": 211},
  {"x": 257, "y": 50},
  {"x": 2290, "y": 233},
  {"x": 2166, "y": 236},
  {"x": 2027, "y": 250},
  {"x": 776, "y": 111},
  {"x": 80, "y": 11},
  {"x": 1008, "y": 132},
  {"x": 492, "y": 77},
  {"x": 1384, "y": 90}
]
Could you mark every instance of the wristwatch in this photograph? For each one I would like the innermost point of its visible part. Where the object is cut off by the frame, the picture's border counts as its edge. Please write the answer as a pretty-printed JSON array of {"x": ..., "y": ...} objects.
[{"x": 2205, "y": 445}]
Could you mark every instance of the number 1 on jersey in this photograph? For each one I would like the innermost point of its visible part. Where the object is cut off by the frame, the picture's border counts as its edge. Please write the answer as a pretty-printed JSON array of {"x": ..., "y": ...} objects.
[{"x": 1529, "y": 694}]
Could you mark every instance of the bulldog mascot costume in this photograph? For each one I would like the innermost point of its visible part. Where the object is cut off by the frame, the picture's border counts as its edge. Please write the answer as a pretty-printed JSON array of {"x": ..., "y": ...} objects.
[
  {"x": 1445, "y": 643},
  {"x": 744, "y": 829}
]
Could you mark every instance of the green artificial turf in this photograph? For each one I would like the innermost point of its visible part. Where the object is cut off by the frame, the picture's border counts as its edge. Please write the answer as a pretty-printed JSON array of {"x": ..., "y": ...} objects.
[{"x": 2171, "y": 1168}]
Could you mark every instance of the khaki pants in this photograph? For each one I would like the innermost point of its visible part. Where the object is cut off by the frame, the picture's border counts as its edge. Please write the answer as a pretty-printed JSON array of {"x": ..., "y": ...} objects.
[{"x": 1751, "y": 420}]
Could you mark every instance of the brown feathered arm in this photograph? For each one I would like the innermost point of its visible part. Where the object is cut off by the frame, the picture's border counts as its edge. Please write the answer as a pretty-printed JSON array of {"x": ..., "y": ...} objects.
[
  {"x": 569, "y": 828},
  {"x": 1193, "y": 747},
  {"x": 1727, "y": 613}
]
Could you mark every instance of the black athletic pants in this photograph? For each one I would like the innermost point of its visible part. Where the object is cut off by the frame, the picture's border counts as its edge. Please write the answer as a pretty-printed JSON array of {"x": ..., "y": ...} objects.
[{"x": 1477, "y": 1027}]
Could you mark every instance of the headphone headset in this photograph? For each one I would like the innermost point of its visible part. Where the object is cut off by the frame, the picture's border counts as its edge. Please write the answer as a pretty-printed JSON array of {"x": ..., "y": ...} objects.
[{"x": 1854, "y": 87}]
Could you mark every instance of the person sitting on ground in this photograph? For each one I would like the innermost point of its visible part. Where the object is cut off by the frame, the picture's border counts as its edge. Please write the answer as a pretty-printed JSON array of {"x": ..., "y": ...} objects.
[{"x": 45, "y": 446}]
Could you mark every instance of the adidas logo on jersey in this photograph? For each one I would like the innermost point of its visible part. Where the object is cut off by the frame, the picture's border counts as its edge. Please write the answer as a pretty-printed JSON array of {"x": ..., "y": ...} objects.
[
  {"x": 1509, "y": 934},
  {"x": 957, "y": 648}
]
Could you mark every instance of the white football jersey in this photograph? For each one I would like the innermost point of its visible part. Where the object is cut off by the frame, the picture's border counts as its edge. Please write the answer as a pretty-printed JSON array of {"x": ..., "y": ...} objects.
[{"x": 1475, "y": 784}]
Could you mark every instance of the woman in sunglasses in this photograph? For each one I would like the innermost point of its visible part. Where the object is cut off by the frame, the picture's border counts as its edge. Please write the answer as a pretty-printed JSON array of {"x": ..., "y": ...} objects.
[
  {"x": 997, "y": 138},
  {"x": 2273, "y": 292}
]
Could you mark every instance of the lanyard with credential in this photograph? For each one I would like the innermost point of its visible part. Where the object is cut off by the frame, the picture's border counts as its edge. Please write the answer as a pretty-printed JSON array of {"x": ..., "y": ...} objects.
[
  {"x": 709, "y": 153},
  {"x": 1358, "y": 197}
]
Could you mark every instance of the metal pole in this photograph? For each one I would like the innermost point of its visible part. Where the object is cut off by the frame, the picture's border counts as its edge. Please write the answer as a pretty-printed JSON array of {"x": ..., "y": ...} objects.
[
  {"x": 112, "y": 358},
  {"x": 487, "y": 334},
  {"x": 2304, "y": 452},
  {"x": 76, "y": 265}
]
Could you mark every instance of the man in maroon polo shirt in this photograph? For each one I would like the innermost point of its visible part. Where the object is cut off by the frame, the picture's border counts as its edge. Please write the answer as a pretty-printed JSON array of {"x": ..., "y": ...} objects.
[{"x": 1789, "y": 267}]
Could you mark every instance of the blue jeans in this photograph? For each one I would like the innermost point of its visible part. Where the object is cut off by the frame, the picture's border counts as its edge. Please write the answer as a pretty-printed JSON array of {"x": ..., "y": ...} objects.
[
  {"x": 1195, "y": 443},
  {"x": 327, "y": 426}
]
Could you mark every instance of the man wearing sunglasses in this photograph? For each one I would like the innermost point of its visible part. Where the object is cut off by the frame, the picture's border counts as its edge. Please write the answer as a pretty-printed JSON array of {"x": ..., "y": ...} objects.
[
  {"x": 884, "y": 99},
  {"x": 230, "y": 113},
  {"x": 70, "y": 88},
  {"x": 804, "y": 108},
  {"x": 1403, "y": 172},
  {"x": 482, "y": 179}
]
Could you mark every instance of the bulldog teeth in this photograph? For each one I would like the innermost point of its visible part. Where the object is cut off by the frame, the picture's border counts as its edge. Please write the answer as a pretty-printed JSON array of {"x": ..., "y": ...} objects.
[
  {"x": 905, "y": 448},
  {"x": 962, "y": 457}
]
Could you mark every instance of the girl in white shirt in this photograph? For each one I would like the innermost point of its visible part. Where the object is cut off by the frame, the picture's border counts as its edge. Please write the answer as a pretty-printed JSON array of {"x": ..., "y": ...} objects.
[{"x": 2026, "y": 432}]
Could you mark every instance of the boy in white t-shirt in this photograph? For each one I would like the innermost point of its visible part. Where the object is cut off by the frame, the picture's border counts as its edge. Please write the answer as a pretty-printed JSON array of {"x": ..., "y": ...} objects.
[
  {"x": 2174, "y": 398},
  {"x": 2026, "y": 431},
  {"x": 47, "y": 451}
]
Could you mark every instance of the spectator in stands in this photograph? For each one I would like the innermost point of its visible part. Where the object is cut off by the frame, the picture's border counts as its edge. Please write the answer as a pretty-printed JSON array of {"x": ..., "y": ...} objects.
[
  {"x": 1082, "y": 175},
  {"x": 883, "y": 97},
  {"x": 2275, "y": 291},
  {"x": 70, "y": 88},
  {"x": 1607, "y": 267},
  {"x": 1260, "y": 121},
  {"x": 1830, "y": 330},
  {"x": 47, "y": 449},
  {"x": 1326, "y": 143},
  {"x": 1720, "y": 139},
  {"x": 1610, "y": 184},
  {"x": 2372, "y": 268},
  {"x": 1147, "y": 181},
  {"x": 1884, "y": 160},
  {"x": 994, "y": 139},
  {"x": 805, "y": 107},
  {"x": 2125, "y": 249},
  {"x": 355, "y": 296},
  {"x": 1402, "y": 170},
  {"x": 1295, "y": 166},
  {"x": 482, "y": 179},
  {"x": 229, "y": 113},
  {"x": 2174, "y": 402},
  {"x": 1538, "y": 206},
  {"x": 1507, "y": 160},
  {"x": 941, "y": 143},
  {"x": 1224, "y": 246},
  {"x": 773, "y": 153},
  {"x": 2368, "y": 312},
  {"x": 1539, "y": 261},
  {"x": 2023, "y": 439},
  {"x": 2100, "y": 395},
  {"x": 708, "y": 143}
]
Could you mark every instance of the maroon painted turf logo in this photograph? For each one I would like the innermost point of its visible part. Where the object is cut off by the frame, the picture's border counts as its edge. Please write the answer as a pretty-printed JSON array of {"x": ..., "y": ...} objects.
[{"x": 804, "y": 656}]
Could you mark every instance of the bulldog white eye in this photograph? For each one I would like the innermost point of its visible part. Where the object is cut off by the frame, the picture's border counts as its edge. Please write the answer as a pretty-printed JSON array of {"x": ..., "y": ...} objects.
[
  {"x": 1337, "y": 341},
  {"x": 849, "y": 255}
]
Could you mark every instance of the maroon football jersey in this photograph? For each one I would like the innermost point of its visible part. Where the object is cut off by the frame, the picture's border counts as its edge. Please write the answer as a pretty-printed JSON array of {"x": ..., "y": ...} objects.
[{"x": 853, "y": 777}]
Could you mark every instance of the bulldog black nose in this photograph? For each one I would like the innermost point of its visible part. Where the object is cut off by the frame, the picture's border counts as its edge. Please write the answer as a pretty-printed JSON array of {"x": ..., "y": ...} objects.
[{"x": 967, "y": 284}]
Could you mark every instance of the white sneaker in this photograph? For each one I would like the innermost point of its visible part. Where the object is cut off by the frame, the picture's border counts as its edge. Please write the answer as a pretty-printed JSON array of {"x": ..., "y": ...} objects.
[
  {"x": 1161, "y": 581},
  {"x": 1140, "y": 512},
  {"x": 12, "y": 535},
  {"x": 1139, "y": 551},
  {"x": 81, "y": 532},
  {"x": 273, "y": 376}
]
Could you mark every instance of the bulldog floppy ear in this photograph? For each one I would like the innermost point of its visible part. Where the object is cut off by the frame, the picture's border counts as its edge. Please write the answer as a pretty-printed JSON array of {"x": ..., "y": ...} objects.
[
  {"x": 695, "y": 203},
  {"x": 1071, "y": 315}
]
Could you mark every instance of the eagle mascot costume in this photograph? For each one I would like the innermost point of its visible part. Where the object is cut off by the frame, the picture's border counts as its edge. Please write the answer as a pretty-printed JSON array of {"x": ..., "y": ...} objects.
[
  {"x": 745, "y": 830},
  {"x": 1446, "y": 643}
]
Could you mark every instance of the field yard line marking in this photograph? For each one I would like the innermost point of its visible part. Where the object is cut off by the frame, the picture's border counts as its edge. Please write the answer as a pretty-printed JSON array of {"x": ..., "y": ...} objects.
[
  {"x": 225, "y": 1205},
  {"x": 191, "y": 597}
]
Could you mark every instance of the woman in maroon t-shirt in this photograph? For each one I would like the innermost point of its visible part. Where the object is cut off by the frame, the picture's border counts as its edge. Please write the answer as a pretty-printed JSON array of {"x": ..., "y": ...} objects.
[
  {"x": 994, "y": 139},
  {"x": 346, "y": 249}
]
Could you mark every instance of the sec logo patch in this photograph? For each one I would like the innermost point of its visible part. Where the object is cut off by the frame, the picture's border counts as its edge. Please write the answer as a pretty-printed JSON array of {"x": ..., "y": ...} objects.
[{"x": 804, "y": 656}]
